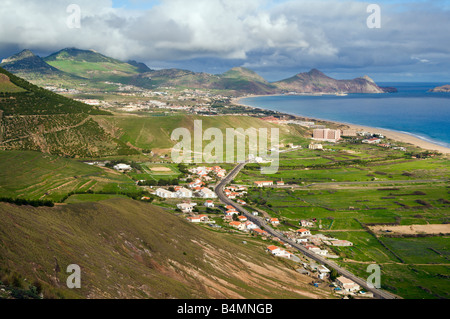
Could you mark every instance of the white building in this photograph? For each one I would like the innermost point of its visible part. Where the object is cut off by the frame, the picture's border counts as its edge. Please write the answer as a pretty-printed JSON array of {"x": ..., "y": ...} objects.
[
  {"x": 313, "y": 146},
  {"x": 327, "y": 135},
  {"x": 250, "y": 225},
  {"x": 184, "y": 193},
  {"x": 164, "y": 193},
  {"x": 186, "y": 208},
  {"x": 122, "y": 167},
  {"x": 303, "y": 232},
  {"x": 372, "y": 141},
  {"x": 263, "y": 183},
  {"x": 347, "y": 284},
  {"x": 306, "y": 223},
  {"x": 277, "y": 251},
  {"x": 209, "y": 203},
  {"x": 207, "y": 193}
]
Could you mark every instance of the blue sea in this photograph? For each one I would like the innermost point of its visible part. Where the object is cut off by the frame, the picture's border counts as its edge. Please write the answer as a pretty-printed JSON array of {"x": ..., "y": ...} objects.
[{"x": 413, "y": 110}]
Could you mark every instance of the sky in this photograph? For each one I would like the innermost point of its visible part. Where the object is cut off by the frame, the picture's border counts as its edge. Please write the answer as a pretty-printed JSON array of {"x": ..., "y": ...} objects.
[{"x": 276, "y": 38}]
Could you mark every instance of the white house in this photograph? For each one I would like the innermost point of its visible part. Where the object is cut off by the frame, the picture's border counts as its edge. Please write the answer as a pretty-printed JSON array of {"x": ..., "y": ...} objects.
[
  {"x": 318, "y": 251},
  {"x": 207, "y": 193},
  {"x": 183, "y": 192},
  {"x": 274, "y": 221},
  {"x": 277, "y": 251},
  {"x": 303, "y": 232},
  {"x": 186, "y": 208},
  {"x": 313, "y": 146},
  {"x": 306, "y": 223},
  {"x": 263, "y": 183},
  {"x": 122, "y": 167},
  {"x": 250, "y": 225},
  {"x": 347, "y": 284},
  {"x": 237, "y": 225},
  {"x": 231, "y": 212},
  {"x": 209, "y": 203},
  {"x": 301, "y": 240},
  {"x": 372, "y": 141},
  {"x": 164, "y": 193}
]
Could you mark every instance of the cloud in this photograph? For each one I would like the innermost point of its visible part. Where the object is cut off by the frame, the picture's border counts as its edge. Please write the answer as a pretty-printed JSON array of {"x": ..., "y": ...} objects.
[{"x": 262, "y": 34}]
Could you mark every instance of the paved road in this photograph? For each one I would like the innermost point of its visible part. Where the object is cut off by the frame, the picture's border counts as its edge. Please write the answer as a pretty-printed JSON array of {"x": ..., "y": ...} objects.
[{"x": 262, "y": 223}]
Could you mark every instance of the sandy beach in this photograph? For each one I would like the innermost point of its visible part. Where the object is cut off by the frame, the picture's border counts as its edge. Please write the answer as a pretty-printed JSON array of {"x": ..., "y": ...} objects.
[{"x": 393, "y": 135}]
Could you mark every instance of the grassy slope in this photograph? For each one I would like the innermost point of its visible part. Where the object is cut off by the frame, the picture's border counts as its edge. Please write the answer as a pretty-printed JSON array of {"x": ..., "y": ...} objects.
[
  {"x": 7, "y": 86},
  {"x": 128, "y": 249},
  {"x": 155, "y": 132},
  {"x": 51, "y": 177},
  {"x": 38, "y": 101},
  {"x": 37, "y": 119}
]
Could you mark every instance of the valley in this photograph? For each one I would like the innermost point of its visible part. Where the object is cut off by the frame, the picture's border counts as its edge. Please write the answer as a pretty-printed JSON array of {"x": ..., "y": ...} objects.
[{"x": 98, "y": 149}]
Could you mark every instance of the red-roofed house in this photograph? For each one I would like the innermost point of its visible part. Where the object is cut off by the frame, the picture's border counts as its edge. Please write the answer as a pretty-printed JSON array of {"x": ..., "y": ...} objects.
[{"x": 274, "y": 221}]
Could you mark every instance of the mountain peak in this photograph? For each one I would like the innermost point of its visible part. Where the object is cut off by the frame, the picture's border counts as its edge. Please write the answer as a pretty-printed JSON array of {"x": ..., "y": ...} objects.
[
  {"x": 243, "y": 73},
  {"x": 367, "y": 78},
  {"x": 79, "y": 55},
  {"x": 19, "y": 56},
  {"x": 315, "y": 72}
]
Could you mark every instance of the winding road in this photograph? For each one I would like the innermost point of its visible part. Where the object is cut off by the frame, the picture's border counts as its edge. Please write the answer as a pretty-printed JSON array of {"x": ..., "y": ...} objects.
[{"x": 219, "y": 189}]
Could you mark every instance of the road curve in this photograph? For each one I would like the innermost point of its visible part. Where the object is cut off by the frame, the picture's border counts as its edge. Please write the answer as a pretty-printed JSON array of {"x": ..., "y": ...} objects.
[{"x": 219, "y": 189}]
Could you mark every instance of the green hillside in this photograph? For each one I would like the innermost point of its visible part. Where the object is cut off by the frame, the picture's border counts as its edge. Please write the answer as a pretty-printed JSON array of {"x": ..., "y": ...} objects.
[
  {"x": 38, "y": 101},
  {"x": 155, "y": 132},
  {"x": 6, "y": 86},
  {"x": 91, "y": 65},
  {"x": 32, "y": 118},
  {"x": 44, "y": 176},
  {"x": 129, "y": 249}
]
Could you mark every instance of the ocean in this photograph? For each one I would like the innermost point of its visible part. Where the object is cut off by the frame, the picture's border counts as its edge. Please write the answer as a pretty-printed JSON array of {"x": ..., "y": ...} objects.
[{"x": 413, "y": 110}]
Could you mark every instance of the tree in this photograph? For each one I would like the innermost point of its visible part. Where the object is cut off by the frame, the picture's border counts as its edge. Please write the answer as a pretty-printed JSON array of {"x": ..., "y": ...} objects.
[{"x": 334, "y": 274}]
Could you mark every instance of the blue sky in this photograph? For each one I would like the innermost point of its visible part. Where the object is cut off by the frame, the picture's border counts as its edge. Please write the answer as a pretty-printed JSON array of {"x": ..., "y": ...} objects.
[{"x": 276, "y": 38}]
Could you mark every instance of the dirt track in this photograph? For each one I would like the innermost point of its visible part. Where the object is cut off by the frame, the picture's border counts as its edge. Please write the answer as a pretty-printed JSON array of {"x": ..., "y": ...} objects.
[{"x": 413, "y": 229}]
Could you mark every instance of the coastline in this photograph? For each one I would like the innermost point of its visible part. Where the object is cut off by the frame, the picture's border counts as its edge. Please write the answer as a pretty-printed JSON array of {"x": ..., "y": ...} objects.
[{"x": 390, "y": 134}]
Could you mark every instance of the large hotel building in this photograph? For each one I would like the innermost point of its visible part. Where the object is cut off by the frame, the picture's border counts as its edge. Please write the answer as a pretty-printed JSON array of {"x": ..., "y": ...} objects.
[{"x": 327, "y": 135}]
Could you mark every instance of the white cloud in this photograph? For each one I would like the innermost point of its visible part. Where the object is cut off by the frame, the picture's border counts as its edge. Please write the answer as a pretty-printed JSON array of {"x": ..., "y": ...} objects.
[{"x": 262, "y": 33}]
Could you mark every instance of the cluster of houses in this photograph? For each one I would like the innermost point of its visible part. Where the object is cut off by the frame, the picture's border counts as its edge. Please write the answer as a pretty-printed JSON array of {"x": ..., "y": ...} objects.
[
  {"x": 232, "y": 192},
  {"x": 314, "y": 242},
  {"x": 182, "y": 192},
  {"x": 204, "y": 172}
]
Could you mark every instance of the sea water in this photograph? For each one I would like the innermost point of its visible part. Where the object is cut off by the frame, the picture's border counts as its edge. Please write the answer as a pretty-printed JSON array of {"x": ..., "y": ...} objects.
[{"x": 413, "y": 110}]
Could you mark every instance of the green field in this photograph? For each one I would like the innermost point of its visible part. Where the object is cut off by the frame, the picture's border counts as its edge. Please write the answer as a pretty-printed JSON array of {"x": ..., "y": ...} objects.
[
  {"x": 41, "y": 176},
  {"x": 346, "y": 191}
]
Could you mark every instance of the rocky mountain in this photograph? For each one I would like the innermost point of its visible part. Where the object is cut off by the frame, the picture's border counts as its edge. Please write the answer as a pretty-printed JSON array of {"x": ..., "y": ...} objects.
[
  {"x": 441, "y": 89},
  {"x": 25, "y": 62},
  {"x": 95, "y": 69},
  {"x": 142, "y": 67},
  {"x": 315, "y": 81}
]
